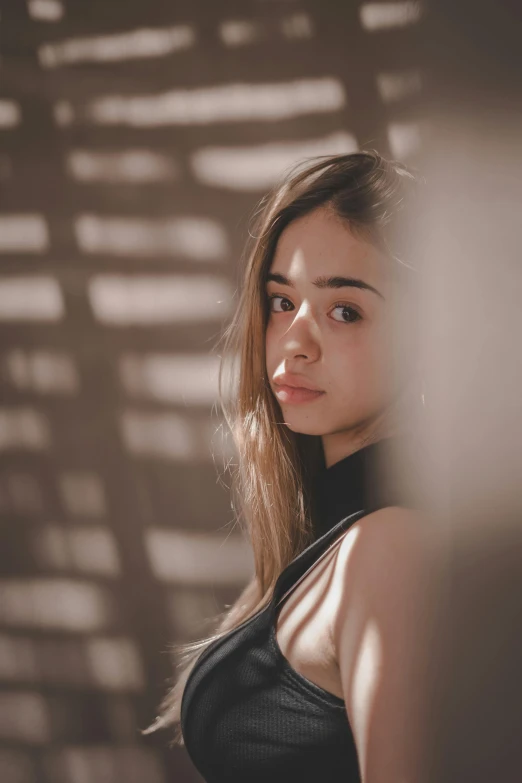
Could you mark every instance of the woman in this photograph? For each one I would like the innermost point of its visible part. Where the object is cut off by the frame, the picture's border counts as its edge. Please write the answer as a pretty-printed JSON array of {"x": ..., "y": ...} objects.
[{"x": 318, "y": 669}]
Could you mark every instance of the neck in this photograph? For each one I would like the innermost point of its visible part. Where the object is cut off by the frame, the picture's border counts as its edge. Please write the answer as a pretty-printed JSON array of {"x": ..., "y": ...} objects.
[
  {"x": 339, "y": 445},
  {"x": 361, "y": 480}
]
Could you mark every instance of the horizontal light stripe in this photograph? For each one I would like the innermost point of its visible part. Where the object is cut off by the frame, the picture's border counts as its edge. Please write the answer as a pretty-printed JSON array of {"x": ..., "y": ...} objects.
[
  {"x": 244, "y": 32},
  {"x": 45, "y": 10},
  {"x": 171, "y": 436},
  {"x": 240, "y": 32},
  {"x": 159, "y": 299},
  {"x": 298, "y": 26},
  {"x": 101, "y": 662},
  {"x": 397, "y": 85},
  {"x": 252, "y": 168},
  {"x": 115, "y": 664},
  {"x": 180, "y": 379},
  {"x": 383, "y": 16},
  {"x": 90, "y": 550},
  {"x": 10, "y": 114},
  {"x": 192, "y": 558},
  {"x": 404, "y": 139},
  {"x": 24, "y": 428},
  {"x": 237, "y": 102},
  {"x": 198, "y": 238},
  {"x": 23, "y": 234},
  {"x": 27, "y": 298},
  {"x": 132, "y": 45},
  {"x": 42, "y": 371},
  {"x": 132, "y": 165},
  {"x": 58, "y": 604}
]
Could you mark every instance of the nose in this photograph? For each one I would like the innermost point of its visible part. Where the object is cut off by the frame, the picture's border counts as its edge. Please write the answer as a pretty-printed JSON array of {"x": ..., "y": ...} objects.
[{"x": 301, "y": 339}]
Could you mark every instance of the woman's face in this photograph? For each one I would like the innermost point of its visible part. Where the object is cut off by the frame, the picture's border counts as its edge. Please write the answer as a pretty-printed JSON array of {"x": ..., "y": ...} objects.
[{"x": 330, "y": 335}]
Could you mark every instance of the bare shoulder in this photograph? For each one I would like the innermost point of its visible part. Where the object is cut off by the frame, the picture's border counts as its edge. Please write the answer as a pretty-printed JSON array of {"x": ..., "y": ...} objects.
[
  {"x": 388, "y": 561},
  {"x": 394, "y": 535},
  {"x": 387, "y": 576}
]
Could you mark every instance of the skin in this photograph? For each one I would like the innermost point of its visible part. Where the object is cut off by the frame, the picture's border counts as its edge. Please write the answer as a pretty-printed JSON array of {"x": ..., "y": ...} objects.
[
  {"x": 346, "y": 351},
  {"x": 389, "y": 579},
  {"x": 385, "y": 579}
]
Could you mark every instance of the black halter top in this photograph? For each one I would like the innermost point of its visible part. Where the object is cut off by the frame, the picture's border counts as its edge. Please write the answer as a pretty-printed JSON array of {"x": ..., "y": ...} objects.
[{"x": 247, "y": 715}]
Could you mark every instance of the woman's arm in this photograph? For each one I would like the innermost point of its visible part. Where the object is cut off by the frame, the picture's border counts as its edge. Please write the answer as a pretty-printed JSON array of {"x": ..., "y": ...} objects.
[{"x": 389, "y": 574}]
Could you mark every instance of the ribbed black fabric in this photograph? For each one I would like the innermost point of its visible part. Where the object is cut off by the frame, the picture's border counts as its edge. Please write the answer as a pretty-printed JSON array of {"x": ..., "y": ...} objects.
[{"x": 247, "y": 716}]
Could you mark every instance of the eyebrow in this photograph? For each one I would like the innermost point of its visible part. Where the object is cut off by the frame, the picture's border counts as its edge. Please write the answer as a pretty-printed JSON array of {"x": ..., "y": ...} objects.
[{"x": 326, "y": 282}]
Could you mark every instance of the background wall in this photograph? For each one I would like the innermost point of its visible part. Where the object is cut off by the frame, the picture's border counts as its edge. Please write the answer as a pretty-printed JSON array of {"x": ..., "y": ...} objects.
[{"x": 136, "y": 139}]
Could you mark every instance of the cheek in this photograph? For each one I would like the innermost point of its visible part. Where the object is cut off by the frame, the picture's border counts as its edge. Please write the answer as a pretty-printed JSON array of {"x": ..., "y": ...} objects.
[{"x": 362, "y": 367}]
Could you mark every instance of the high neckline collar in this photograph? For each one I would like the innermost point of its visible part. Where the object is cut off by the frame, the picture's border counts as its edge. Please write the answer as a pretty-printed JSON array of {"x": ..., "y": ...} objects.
[{"x": 351, "y": 484}]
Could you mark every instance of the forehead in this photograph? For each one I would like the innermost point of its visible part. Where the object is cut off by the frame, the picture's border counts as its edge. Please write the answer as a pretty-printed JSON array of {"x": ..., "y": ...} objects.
[{"x": 322, "y": 243}]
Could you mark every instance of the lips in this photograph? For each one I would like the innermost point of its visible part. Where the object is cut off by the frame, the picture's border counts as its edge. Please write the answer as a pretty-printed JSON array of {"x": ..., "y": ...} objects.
[
  {"x": 294, "y": 382},
  {"x": 292, "y": 394}
]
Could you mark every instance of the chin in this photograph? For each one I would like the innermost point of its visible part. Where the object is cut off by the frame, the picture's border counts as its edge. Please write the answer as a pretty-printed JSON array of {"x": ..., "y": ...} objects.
[{"x": 310, "y": 427}]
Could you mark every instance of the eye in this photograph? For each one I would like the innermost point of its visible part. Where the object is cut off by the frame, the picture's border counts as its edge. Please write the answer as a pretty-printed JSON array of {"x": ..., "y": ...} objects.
[
  {"x": 350, "y": 312},
  {"x": 271, "y": 300}
]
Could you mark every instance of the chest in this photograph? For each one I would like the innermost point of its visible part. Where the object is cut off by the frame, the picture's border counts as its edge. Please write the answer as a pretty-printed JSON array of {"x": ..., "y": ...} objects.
[
  {"x": 247, "y": 717},
  {"x": 303, "y": 626}
]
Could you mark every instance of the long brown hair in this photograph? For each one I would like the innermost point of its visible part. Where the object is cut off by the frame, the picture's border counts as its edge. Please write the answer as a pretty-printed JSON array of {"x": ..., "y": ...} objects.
[{"x": 275, "y": 466}]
